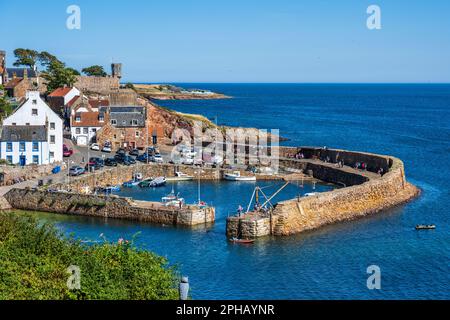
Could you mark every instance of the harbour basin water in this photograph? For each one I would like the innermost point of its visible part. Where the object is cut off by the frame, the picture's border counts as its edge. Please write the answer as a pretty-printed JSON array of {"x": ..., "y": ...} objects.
[{"x": 407, "y": 121}]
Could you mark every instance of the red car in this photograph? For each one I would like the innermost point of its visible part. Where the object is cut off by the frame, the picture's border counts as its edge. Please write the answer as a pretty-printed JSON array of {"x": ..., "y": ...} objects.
[{"x": 66, "y": 151}]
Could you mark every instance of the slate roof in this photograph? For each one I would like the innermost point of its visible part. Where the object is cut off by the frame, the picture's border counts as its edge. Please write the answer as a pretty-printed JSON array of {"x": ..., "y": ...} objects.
[
  {"x": 24, "y": 133},
  {"x": 19, "y": 72},
  {"x": 124, "y": 115}
]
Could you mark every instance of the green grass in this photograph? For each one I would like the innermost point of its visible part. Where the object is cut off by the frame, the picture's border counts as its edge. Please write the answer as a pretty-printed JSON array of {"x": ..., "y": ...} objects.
[{"x": 34, "y": 257}]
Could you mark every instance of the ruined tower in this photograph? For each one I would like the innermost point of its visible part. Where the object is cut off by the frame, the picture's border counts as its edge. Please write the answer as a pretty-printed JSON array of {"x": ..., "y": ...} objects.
[{"x": 116, "y": 70}]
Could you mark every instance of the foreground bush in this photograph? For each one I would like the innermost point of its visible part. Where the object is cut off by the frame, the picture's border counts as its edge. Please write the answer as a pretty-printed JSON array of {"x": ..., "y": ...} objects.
[{"x": 34, "y": 259}]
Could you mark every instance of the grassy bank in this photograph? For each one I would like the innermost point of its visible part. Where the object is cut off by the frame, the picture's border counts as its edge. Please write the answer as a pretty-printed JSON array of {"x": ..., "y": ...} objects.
[{"x": 34, "y": 258}]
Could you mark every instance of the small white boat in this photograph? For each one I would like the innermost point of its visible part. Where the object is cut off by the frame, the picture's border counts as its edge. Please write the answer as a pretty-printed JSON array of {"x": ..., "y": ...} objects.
[
  {"x": 172, "y": 200},
  {"x": 236, "y": 176},
  {"x": 180, "y": 176}
]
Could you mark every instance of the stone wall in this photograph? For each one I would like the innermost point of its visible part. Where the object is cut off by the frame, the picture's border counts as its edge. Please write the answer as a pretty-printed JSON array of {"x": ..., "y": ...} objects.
[
  {"x": 120, "y": 174},
  {"x": 102, "y": 85},
  {"x": 361, "y": 197},
  {"x": 8, "y": 172},
  {"x": 108, "y": 207},
  {"x": 350, "y": 158}
]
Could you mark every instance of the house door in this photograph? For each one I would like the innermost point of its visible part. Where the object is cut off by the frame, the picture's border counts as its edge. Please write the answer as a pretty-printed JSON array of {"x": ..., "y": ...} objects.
[{"x": 22, "y": 160}]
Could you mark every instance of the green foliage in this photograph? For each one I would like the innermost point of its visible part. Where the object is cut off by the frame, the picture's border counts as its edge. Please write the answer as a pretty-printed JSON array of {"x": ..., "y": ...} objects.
[
  {"x": 95, "y": 70},
  {"x": 6, "y": 108},
  {"x": 58, "y": 75},
  {"x": 129, "y": 85},
  {"x": 74, "y": 71},
  {"x": 34, "y": 258},
  {"x": 46, "y": 58},
  {"x": 25, "y": 57}
]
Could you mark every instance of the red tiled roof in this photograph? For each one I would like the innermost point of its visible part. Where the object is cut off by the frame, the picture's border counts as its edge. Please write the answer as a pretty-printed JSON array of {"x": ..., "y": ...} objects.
[
  {"x": 88, "y": 119},
  {"x": 60, "y": 92},
  {"x": 71, "y": 102},
  {"x": 95, "y": 103}
]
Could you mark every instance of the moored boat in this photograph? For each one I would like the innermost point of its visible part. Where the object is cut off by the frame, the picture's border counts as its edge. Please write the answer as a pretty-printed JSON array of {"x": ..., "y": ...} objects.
[
  {"x": 137, "y": 178},
  {"x": 425, "y": 227},
  {"x": 153, "y": 183},
  {"x": 242, "y": 241},
  {"x": 236, "y": 176},
  {"x": 180, "y": 176},
  {"x": 172, "y": 199}
]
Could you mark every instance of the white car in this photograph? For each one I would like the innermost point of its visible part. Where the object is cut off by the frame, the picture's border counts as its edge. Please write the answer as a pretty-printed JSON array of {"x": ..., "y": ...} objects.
[
  {"x": 157, "y": 158},
  {"x": 106, "y": 149},
  {"x": 188, "y": 161},
  {"x": 95, "y": 147}
]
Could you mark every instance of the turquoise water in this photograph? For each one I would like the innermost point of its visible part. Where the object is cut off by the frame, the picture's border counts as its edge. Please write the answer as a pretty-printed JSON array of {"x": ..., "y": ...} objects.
[{"x": 408, "y": 121}]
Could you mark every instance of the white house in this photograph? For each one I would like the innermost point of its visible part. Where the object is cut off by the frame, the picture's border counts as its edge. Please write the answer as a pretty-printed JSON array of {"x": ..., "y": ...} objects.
[
  {"x": 32, "y": 134},
  {"x": 84, "y": 124}
]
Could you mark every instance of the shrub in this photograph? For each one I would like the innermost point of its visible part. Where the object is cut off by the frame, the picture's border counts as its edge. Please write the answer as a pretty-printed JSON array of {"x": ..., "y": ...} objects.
[{"x": 34, "y": 258}]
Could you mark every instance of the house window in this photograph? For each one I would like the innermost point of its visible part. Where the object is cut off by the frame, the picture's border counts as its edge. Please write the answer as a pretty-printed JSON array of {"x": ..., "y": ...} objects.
[
  {"x": 35, "y": 146},
  {"x": 85, "y": 130},
  {"x": 9, "y": 159},
  {"x": 77, "y": 130},
  {"x": 77, "y": 118},
  {"x": 34, "y": 112},
  {"x": 52, "y": 139},
  {"x": 115, "y": 136},
  {"x": 101, "y": 118},
  {"x": 9, "y": 147},
  {"x": 52, "y": 154},
  {"x": 27, "y": 124},
  {"x": 94, "y": 130},
  {"x": 134, "y": 122},
  {"x": 124, "y": 122},
  {"x": 52, "y": 126},
  {"x": 34, "y": 101},
  {"x": 113, "y": 121},
  {"x": 14, "y": 123},
  {"x": 137, "y": 133},
  {"x": 21, "y": 146},
  {"x": 36, "y": 159}
]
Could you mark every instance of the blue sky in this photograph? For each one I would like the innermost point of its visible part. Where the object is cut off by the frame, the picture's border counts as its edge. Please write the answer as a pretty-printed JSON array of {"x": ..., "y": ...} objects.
[{"x": 240, "y": 41}]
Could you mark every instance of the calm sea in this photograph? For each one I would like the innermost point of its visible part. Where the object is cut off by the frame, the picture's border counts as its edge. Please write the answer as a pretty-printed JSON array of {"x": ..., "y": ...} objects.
[{"x": 407, "y": 121}]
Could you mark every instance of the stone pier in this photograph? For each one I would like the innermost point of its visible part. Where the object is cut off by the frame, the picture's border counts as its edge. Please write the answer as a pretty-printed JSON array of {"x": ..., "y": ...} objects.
[{"x": 363, "y": 192}]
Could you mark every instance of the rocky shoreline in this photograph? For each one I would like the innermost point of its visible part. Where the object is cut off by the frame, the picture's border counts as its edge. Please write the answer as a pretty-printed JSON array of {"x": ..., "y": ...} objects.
[{"x": 170, "y": 92}]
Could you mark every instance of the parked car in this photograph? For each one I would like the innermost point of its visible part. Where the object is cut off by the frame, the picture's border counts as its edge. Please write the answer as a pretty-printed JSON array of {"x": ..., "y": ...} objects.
[
  {"x": 106, "y": 148},
  {"x": 95, "y": 147},
  {"x": 110, "y": 162},
  {"x": 92, "y": 166},
  {"x": 67, "y": 152},
  {"x": 121, "y": 151},
  {"x": 76, "y": 171},
  {"x": 142, "y": 157},
  {"x": 130, "y": 159},
  {"x": 187, "y": 161},
  {"x": 158, "y": 158},
  {"x": 97, "y": 160},
  {"x": 134, "y": 152}
]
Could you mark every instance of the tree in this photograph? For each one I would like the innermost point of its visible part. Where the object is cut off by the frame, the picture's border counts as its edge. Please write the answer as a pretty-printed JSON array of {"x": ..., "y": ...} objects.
[
  {"x": 25, "y": 57},
  {"x": 58, "y": 75},
  {"x": 95, "y": 70},
  {"x": 74, "y": 71},
  {"x": 5, "y": 107},
  {"x": 46, "y": 58}
]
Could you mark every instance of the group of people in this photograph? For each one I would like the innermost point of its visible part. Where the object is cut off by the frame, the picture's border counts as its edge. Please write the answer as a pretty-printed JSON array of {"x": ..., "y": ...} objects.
[{"x": 256, "y": 207}]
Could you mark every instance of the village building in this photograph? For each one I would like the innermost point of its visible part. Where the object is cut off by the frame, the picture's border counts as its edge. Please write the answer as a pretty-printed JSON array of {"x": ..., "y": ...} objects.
[
  {"x": 85, "y": 121},
  {"x": 32, "y": 134},
  {"x": 61, "y": 100},
  {"x": 128, "y": 127}
]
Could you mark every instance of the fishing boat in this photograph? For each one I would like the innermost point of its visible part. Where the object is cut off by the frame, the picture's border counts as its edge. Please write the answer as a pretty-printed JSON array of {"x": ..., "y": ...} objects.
[
  {"x": 425, "y": 227},
  {"x": 172, "y": 199},
  {"x": 242, "y": 241},
  {"x": 236, "y": 176},
  {"x": 137, "y": 178},
  {"x": 107, "y": 190},
  {"x": 180, "y": 176},
  {"x": 153, "y": 183}
]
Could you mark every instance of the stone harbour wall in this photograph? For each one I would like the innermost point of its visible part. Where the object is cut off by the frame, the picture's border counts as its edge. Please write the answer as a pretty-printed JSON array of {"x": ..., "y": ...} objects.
[
  {"x": 364, "y": 194},
  {"x": 108, "y": 207},
  {"x": 9, "y": 173},
  {"x": 348, "y": 203}
]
